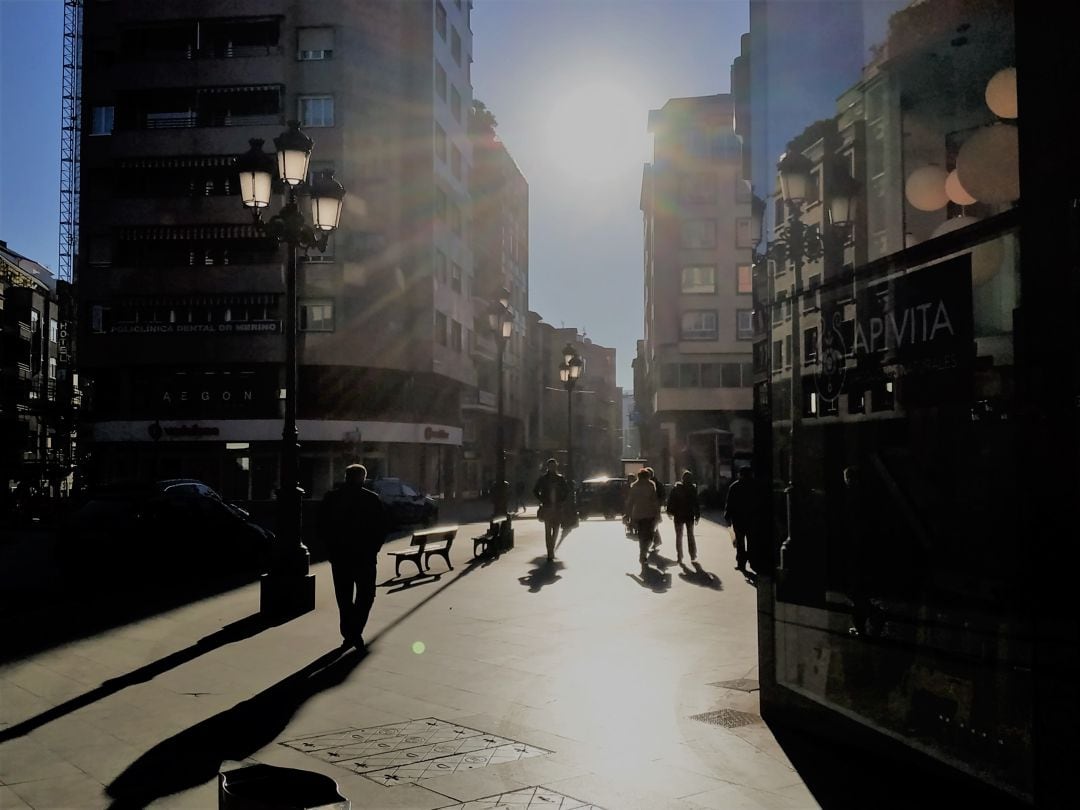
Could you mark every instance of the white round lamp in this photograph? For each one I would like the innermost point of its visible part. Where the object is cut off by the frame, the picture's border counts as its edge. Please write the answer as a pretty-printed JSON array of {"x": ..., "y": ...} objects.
[{"x": 925, "y": 188}]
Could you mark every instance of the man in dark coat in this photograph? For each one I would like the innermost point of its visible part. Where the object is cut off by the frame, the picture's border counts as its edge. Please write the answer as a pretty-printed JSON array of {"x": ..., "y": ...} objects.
[
  {"x": 739, "y": 512},
  {"x": 683, "y": 507},
  {"x": 553, "y": 492},
  {"x": 353, "y": 523}
]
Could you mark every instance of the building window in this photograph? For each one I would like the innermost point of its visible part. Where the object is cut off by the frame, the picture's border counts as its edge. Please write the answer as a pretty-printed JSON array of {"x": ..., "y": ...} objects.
[
  {"x": 314, "y": 44},
  {"x": 810, "y": 345},
  {"x": 777, "y": 355},
  {"x": 699, "y": 324},
  {"x": 440, "y": 328},
  {"x": 689, "y": 375},
  {"x": 455, "y": 336},
  {"x": 440, "y": 19},
  {"x": 787, "y": 351},
  {"x": 730, "y": 375},
  {"x": 440, "y": 81},
  {"x": 54, "y": 330},
  {"x": 669, "y": 375},
  {"x": 52, "y": 368},
  {"x": 744, "y": 279},
  {"x": 316, "y": 111},
  {"x": 699, "y": 233},
  {"x": 744, "y": 324},
  {"x": 742, "y": 233},
  {"x": 747, "y": 374},
  {"x": 440, "y": 266},
  {"x": 101, "y": 120},
  {"x": 455, "y": 103},
  {"x": 699, "y": 279},
  {"x": 455, "y": 161},
  {"x": 316, "y": 316},
  {"x": 455, "y": 45},
  {"x": 698, "y": 188},
  {"x": 455, "y": 277},
  {"x": 440, "y": 143}
]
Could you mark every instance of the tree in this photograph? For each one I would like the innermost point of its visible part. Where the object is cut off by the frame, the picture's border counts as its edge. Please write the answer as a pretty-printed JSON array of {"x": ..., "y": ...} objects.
[{"x": 482, "y": 121}]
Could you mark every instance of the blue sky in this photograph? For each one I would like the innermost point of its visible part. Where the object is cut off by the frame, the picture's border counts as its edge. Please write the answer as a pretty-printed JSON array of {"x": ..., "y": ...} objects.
[{"x": 548, "y": 69}]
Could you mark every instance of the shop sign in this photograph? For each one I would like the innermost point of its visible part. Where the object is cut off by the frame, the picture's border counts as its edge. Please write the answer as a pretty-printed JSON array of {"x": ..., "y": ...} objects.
[
  {"x": 230, "y": 328},
  {"x": 435, "y": 433}
]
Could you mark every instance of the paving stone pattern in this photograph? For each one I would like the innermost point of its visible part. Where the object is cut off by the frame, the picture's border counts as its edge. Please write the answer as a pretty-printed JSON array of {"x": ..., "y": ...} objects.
[
  {"x": 407, "y": 753},
  {"x": 728, "y": 718},
  {"x": 741, "y": 684},
  {"x": 532, "y": 798}
]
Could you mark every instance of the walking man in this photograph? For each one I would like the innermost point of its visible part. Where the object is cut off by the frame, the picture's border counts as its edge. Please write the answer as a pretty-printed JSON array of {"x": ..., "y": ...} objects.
[
  {"x": 683, "y": 507},
  {"x": 353, "y": 523},
  {"x": 739, "y": 512},
  {"x": 656, "y": 541},
  {"x": 552, "y": 492},
  {"x": 644, "y": 508}
]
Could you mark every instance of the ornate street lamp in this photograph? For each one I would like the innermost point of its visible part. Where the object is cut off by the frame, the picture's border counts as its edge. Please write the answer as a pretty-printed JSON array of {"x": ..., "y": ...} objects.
[
  {"x": 799, "y": 244},
  {"x": 570, "y": 372},
  {"x": 501, "y": 321},
  {"x": 289, "y": 588}
]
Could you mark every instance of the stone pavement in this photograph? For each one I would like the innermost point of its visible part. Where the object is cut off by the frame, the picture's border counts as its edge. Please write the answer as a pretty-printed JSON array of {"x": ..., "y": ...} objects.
[{"x": 505, "y": 680}]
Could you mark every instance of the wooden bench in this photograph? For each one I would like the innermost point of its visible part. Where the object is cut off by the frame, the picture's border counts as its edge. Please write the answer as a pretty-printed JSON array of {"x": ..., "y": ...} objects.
[
  {"x": 500, "y": 536},
  {"x": 424, "y": 544}
]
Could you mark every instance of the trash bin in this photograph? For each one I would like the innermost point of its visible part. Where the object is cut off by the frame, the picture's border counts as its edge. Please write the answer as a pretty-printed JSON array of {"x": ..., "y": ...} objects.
[{"x": 266, "y": 787}]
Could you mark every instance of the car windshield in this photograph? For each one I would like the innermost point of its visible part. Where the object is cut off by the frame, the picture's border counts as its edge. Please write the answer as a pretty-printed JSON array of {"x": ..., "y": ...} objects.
[
  {"x": 412, "y": 493},
  {"x": 388, "y": 488}
]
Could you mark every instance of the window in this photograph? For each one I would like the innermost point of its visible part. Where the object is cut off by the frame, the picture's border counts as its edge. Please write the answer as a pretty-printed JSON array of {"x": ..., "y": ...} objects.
[
  {"x": 440, "y": 143},
  {"x": 777, "y": 355},
  {"x": 455, "y": 103},
  {"x": 742, "y": 233},
  {"x": 440, "y": 19},
  {"x": 787, "y": 352},
  {"x": 669, "y": 375},
  {"x": 744, "y": 279},
  {"x": 689, "y": 375},
  {"x": 699, "y": 325},
  {"x": 455, "y": 336},
  {"x": 52, "y": 368},
  {"x": 314, "y": 44},
  {"x": 699, "y": 279},
  {"x": 778, "y": 307},
  {"x": 440, "y": 266},
  {"x": 747, "y": 374},
  {"x": 730, "y": 375},
  {"x": 810, "y": 345},
  {"x": 744, "y": 324},
  {"x": 698, "y": 233},
  {"x": 455, "y": 277},
  {"x": 316, "y": 111},
  {"x": 440, "y": 81},
  {"x": 698, "y": 188},
  {"x": 455, "y": 45},
  {"x": 455, "y": 161},
  {"x": 440, "y": 328},
  {"x": 101, "y": 120},
  {"x": 54, "y": 330},
  {"x": 316, "y": 316}
]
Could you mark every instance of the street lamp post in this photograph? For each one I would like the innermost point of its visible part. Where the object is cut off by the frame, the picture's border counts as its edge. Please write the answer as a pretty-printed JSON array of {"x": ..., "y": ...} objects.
[
  {"x": 569, "y": 372},
  {"x": 501, "y": 321},
  {"x": 289, "y": 588},
  {"x": 800, "y": 244}
]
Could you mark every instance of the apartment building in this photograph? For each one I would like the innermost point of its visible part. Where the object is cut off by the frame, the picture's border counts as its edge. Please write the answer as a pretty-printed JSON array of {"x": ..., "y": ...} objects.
[
  {"x": 181, "y": 295},
  {"x": 694, "y": 376}
]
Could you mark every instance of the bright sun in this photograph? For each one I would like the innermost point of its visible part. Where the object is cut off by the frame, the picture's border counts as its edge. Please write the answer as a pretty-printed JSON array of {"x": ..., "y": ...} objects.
[{"x": 596, "y": 132}]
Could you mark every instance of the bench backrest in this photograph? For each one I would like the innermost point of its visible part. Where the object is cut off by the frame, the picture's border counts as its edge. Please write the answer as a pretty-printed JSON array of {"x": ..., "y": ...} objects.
[{"x": 434, "y": 535}]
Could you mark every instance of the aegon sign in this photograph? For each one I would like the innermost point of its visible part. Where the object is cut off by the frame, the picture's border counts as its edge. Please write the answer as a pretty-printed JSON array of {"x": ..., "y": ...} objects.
[{"x": 173, "y": 397}]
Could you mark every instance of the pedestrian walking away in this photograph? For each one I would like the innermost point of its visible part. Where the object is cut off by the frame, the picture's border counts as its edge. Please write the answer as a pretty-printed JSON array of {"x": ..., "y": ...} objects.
[
  {"x": 553, "y": 492},
  {"x": 353, "y": 524},
  {"x": 739, "y": 511},
  {"x": 644, "y": 506},
  {"x": 660, "y": 495},
  {"x": 685, "y": 511}
]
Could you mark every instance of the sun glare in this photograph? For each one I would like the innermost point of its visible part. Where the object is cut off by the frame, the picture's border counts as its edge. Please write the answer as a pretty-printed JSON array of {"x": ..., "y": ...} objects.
[{"x": 596, "y": 132}]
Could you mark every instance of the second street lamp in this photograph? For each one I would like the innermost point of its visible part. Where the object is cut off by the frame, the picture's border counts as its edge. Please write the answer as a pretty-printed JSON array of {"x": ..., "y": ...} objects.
[
  {"x": 289, "y": 588},
  {"x": 569, "y": 372},
  {"x": 501, "y": 321}
]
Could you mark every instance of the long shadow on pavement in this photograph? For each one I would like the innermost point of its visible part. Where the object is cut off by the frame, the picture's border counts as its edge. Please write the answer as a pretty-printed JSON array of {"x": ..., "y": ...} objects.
[
  {"x": 699, "y": 576},
  {"x": 194, "y": 756},
  {"x": 655, "y": 579},
  {"x": 237, "y": 631},
  {"x": 544, "y": 572}
]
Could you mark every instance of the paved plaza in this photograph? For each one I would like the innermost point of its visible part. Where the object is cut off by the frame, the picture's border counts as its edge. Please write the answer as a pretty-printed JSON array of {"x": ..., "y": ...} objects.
[{"x": 499, "y": 683}]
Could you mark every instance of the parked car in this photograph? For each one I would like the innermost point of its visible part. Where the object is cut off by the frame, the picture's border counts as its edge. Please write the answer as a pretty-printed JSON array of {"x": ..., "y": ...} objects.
[
  {"x": 601, "y": 496},
  {"x": 405, "y": 502},
  {"x": 176, "y": 528}
]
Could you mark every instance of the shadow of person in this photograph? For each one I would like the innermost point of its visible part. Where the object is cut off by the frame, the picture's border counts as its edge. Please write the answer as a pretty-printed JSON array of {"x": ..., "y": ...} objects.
[
  {"x": 544, "y": 572},
  {"x": 654, "y": 579},
  {"x": 239, "y": 630},
  {"x": 194, "y": 756},
  {"x": 699, "y": 576},
  {"x": 660, "y": 561}
]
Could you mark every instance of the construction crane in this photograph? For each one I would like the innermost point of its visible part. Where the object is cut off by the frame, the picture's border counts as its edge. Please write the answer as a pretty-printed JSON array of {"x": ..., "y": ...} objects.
[{"x": 70, "y": 133}]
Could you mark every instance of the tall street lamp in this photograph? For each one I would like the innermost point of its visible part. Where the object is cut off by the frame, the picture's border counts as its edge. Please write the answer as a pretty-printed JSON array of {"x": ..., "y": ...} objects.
[
  {"x": 501, "y": 321},
  {"x": 289, "y": 588},
  {"x": 569, "y": 372},
  {"x": 799, "y": 244}
]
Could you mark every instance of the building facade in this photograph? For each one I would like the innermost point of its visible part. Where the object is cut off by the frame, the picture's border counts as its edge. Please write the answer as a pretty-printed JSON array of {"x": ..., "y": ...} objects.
[
  {"x": 39, "y": 389},
  {"x": 913, "y": 382},
  {"x": 181, "y": 296},
  {"x": 695, "y": 391}
]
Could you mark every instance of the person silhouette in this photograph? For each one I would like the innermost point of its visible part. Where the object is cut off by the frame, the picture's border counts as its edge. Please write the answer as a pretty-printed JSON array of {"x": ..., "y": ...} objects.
[
  {"x": 552, "y": 491},
  {"x": 739, "y": 512},
  {"x": 683, "y": 507}
]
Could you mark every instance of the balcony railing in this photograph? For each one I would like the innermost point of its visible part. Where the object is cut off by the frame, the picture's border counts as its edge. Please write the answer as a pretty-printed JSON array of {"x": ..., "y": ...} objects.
[{"x": 191, "y": 120}]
